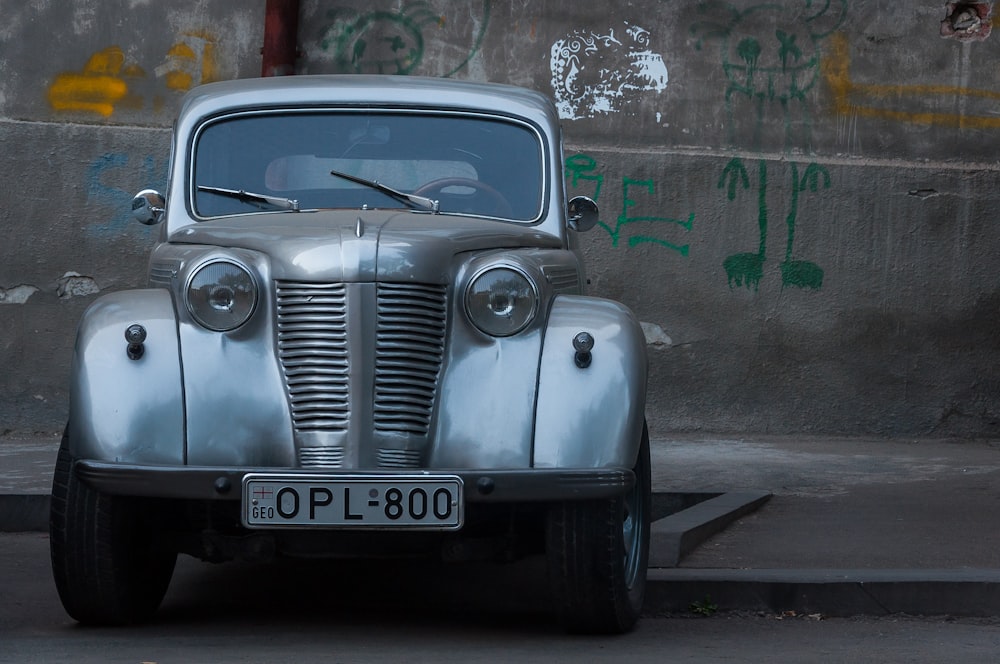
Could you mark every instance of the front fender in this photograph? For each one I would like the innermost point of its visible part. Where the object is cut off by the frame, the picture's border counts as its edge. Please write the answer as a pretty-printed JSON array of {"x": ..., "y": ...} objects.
[
  {"x": 121, "y": 409},
  {"x": 590, "y": 417}
]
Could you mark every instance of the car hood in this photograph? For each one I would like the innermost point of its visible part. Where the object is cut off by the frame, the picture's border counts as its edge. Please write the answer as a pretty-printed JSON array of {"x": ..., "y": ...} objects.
[{"x": 362, "y": 245}]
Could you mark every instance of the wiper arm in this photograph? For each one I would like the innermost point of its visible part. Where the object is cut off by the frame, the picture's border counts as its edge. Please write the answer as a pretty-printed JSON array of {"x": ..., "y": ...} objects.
[
  {"x": 413, "y": 200},
  {"x": 250, "y": 197}
]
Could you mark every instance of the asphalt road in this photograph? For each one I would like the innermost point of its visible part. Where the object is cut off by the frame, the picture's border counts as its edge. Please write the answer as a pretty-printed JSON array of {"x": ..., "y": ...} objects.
[{"x": 410, "y": 612}]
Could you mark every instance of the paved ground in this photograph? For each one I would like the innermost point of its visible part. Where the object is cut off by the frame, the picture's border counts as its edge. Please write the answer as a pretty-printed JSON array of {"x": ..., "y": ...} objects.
[
  {"x": 852, "y": 526},
  {"x": 447, "y": 614},
  {"x": 857, "y": 504}
]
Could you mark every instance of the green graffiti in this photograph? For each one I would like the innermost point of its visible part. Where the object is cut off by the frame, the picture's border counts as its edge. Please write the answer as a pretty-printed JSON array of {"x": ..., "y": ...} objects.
[
  {"x": 579, "y": 167},
  {"x": 385, "y": 42},
  {"x": 477, "y": 42},
  {"x": 770, "y": 70},
  {"x": 581, "y": 172},
  {"x": 747, "y": 269},
  {"x": 811, "y": 178},
  {"x": 625, "y": 219},
  {"x": 736, "y": 174},
  {"x": 802, "y": 274}
]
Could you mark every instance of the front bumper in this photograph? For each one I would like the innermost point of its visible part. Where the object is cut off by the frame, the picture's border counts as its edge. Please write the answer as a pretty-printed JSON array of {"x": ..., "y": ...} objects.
[{"x": 482, "y": 486}]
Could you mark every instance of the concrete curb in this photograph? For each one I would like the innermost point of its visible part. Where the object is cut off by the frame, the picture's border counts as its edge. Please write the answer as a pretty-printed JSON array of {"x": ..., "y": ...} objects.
[
  {"x": 834, "y": 593},
  {"x": 679, "y": 534},
  {"x": 24, "y": 512}
]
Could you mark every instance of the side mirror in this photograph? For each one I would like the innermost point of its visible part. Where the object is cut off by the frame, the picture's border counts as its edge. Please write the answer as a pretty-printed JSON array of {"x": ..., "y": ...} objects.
[
  {"x": 148, "y": 207},
  {"x": 583, "y": 213}
]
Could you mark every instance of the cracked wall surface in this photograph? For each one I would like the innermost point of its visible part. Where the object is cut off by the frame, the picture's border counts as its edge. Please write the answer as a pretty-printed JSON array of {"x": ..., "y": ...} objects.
[
  {"x": 17, "y": 294},
  {"x": 71, "y": 284}
]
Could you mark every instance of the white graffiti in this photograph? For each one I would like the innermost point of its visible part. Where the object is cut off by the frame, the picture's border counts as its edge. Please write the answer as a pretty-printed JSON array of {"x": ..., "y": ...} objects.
[{"x": 594, "y": 73}]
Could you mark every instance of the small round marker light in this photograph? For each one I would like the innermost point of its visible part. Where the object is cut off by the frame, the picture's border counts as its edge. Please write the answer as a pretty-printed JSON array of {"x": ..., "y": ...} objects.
[
  {"x": 583, "y": 343},
  {"x": 135, "y": 335}
]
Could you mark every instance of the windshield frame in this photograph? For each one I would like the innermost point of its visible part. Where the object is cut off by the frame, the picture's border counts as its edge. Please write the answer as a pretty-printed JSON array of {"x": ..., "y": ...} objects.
[{"x": 538, "y": 136}]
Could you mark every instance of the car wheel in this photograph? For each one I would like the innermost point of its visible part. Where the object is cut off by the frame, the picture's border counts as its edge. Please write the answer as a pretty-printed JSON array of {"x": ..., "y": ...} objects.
[
  {"x": 597, "y": 556},
  {"x": 106, "y": 567}
]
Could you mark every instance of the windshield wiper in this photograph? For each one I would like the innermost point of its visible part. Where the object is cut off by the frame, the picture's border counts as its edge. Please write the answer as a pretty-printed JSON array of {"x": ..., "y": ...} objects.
[
  {"x": 250, "y": 197},
  {"x": 419, "y": 202}
]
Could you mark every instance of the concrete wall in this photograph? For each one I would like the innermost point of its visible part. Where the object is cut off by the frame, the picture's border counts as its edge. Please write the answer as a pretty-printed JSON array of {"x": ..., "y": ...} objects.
[{"x": 800, "y": 195}]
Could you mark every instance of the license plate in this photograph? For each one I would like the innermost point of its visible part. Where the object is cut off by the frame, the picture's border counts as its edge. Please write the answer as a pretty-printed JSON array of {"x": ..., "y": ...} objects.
[{"x": 413, "y": 502}]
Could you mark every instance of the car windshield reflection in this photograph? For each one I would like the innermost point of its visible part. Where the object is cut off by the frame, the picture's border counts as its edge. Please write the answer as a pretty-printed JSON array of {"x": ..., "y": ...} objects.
[{"x": 473, "y": 165}]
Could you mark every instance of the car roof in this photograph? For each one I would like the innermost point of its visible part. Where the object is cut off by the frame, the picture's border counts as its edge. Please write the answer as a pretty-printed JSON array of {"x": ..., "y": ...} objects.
[{"x": 367, "y": 90}]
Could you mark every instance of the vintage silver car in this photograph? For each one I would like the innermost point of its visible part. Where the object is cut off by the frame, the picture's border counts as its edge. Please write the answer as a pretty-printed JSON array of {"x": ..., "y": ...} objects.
[{"x": 364, "y": 333}]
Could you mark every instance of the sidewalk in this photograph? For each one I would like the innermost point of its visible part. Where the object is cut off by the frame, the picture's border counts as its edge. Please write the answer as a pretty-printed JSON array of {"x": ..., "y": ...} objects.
[
  {"x": 837, "y": 527},
  {"x": 853, "y": 527}
]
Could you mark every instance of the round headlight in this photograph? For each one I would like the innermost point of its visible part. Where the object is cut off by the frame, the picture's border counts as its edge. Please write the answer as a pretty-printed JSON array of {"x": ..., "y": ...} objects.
[
  {"x": 221, "y": 295},
  {"x": 501, "y": 301}
]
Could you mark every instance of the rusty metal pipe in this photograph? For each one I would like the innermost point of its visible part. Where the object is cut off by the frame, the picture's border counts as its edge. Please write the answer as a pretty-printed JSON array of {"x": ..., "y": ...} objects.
[{"x": 281, "y": 29}]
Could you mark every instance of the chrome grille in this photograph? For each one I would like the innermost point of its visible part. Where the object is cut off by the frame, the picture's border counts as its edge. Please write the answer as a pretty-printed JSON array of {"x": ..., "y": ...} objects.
[
  {"x": 312, "y": 347},
  {"x": 409, "y": 350},
  {"x": 399, "y": 458},
  {"x": 564, "y": 279},
  {"x": 312, "y": 457},
  {"x": 162, "y": 273}
]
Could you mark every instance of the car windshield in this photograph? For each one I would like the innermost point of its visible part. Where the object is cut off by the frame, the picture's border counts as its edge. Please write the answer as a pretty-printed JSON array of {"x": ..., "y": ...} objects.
[{"x": 465, "y": 164}]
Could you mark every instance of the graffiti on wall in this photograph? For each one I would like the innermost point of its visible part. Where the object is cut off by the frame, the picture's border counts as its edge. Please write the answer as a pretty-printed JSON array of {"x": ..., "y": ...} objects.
[
  {"x": 600, "y": 72},
  {"x": 120, "y": 167},
  {"x": 748, "y": 268},
  {"x": 583, "y": 178},
  {"x": 107, "y": 81},
  {"x": 900, "y": 102},
  {"x": 769, "y": 75},
  {"x": 385, "y": 42}
]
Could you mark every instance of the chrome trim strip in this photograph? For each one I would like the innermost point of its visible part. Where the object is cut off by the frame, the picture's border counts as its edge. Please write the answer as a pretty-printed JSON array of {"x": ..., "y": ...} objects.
[{"x": 482, "y": 486}]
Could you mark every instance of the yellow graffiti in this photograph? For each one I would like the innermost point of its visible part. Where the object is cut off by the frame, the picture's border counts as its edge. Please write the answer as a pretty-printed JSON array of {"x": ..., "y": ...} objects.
[
  {"x": 176, "y": 79},
  {"x": 103, "y": 84},
  {"x": 96, "y": 88},
  {"x": 190, "y": 62},
  {"x": 888, "y": 101}
]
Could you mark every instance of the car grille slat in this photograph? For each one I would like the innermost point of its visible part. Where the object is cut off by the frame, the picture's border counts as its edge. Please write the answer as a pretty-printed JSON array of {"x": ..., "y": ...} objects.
[
  {"x": 398, "y": 458},
  {"x": 162, "y": 273},
  {"x": 564, "y": 278},
  {"x": 409, "y": 351},
  {"x": 312, "y": 348},
  {"x": 321, "y": 456}
]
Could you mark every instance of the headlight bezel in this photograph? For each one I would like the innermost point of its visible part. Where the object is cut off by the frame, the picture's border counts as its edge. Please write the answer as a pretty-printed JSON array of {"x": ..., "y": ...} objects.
[
  {"x": 483, "y": 319},
  {"x": 204, "y": 312}
]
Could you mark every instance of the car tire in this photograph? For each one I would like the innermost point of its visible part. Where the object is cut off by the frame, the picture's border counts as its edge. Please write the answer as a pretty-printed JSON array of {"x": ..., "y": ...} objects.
[
  {"x": 106, "y": 566},
  {"x": 597, "y": 554}
]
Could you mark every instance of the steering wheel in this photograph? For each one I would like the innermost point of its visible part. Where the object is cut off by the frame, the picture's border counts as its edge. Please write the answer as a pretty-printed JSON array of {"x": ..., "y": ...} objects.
[{"x": 496, "y": 201}]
